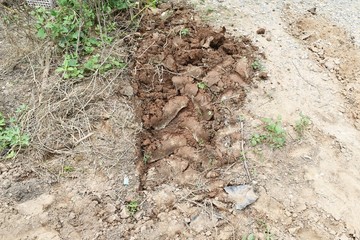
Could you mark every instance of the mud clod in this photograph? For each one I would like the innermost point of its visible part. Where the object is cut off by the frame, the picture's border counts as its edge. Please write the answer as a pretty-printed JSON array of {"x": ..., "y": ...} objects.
[{"x": 181, "y": 80}]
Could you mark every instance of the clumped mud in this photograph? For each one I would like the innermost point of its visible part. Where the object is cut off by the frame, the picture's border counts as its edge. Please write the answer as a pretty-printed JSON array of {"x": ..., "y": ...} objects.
[{"x": 187, "y": 77}]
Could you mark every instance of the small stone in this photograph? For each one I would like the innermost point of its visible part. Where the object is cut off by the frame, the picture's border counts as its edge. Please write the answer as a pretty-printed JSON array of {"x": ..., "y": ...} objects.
[
  {"x": 3, "y": 168},
  {"x": 242, "y": 195},
  {"x": 6, "y": 184},
  {"x": 263, "y": 75},
  {"x": 191, "y": 89},
  {"x": 300, "y": 208},
  {"x": 312, "y": 10},
  {"x": 212, "y": 174},
  {"x": 127, "y": 90},
  {"x": 293, "y": 230},
  {"x": 113, "y": 218},
  {"x": 242, "y": 68},
  {"x": 261, "y": 31},
  {"x": 219, "y": 205},
  {"x": 208, "y": 233},
  {"x": 287, "y": 221},
  {"x": 124, "y": 213},
  {"x": 110, "y": 208}
]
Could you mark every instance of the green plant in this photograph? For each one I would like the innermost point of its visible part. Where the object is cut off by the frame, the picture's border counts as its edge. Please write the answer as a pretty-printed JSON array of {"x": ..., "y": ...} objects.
[
  {"x": 257, "y": 65},
  {"x": 78, "y": 28},
  {"x": 11, "y": 137},
  {"x": 275, "y": 134},
  {"x": 251, "y": 236},
  {"x": 68, "y": 168},
  {"x": 266, "y": 230},
  {"x": 184, "y": 32},
  {"x": 152, "y": 3},
  {"x": 133, "y": 207},
  {"x": 201, "y": 85},
  {"x": 146, "y": 158},
  {"x": 257, "y": 139},
  {"x": 209, "y": 10},
  {"x": 302, "y": 124},
  {"x": 70, "y": 67}
]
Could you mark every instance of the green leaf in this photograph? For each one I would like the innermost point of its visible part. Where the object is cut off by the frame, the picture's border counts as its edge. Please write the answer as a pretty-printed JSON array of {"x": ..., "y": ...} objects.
[
  {"x": 251, "y": 237},
  {"x": 41, "y": 33},
  {"x": 11, "y": 154}
]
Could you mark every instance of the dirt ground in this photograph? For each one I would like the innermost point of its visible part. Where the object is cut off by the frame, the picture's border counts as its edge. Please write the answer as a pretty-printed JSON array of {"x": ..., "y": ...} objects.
[{"x": 178, "y": 126}]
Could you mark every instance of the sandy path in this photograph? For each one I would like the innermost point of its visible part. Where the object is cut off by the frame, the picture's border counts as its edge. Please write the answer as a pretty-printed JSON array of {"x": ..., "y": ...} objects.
[{"x": 327, "y": 184}]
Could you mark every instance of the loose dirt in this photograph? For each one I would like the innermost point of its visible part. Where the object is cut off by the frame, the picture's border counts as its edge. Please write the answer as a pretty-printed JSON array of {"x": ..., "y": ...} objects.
[{"x": 187, "y": 86}]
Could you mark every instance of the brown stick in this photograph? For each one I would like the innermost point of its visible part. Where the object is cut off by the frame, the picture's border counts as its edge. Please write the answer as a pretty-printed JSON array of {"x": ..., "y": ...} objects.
[{"x": 243, "y": 152}]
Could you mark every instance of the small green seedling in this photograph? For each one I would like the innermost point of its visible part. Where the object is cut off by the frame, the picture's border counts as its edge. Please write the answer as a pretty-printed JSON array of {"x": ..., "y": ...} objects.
[
  {"x": 11, "y": 137},
  {"x": 70, "y": 67},
  {"x": 210, "y": 10},
  {"x": 184, "y": 32},
  {"x": 146, "y": 158},
  {"x": 68, "y": 168},
  {"x": 257, "y": 139},
  {"x": 251, "y": 236},
  {"x": 133, "y": 207},
  {"x": 302, "y": 124},
  {"x": 201, "y": 85},
  {"x": 275, "y": 134},
  {"x": 257, "y": 65}
]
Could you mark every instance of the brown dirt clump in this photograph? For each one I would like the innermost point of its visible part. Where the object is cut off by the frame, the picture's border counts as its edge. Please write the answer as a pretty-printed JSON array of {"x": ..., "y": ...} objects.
[{"x": 187, "y": 75}]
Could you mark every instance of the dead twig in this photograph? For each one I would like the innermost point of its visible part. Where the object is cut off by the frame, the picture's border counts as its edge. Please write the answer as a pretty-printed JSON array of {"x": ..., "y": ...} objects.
[{"x": 243, "y": 152}]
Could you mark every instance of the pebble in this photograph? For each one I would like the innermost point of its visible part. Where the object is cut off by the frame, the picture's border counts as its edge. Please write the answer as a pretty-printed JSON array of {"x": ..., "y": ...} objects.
[
  {"x": 124, "y": 213},
  {"x": 293, "y": 230},
  {"x": 6, "y": 184},
  {"x": 261, "y": 31}
]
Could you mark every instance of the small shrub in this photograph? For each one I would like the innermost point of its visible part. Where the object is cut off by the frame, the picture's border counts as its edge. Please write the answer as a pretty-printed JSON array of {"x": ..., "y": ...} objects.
[
  {"x": 302, "y": 124},
  {"x": 11, "y": 137},
  {"x": 133, "y": 207},
  {"x": 274, "y": 135}
]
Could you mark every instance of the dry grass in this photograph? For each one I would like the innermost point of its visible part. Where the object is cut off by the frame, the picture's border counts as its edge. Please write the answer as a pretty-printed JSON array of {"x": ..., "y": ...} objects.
[{"x": 69, "y": 118}]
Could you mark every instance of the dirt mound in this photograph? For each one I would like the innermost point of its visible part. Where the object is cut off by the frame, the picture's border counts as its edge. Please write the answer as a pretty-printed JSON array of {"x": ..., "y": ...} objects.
[{"x": 187, "y": 77}]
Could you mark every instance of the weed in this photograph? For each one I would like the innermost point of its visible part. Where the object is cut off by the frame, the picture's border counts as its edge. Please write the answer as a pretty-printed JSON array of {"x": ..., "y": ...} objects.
[
  {"x": 266, "y": 232},
  {"x": 70, "y": 67},
  {"x": 257, "y": 65},
  {"x": 209, "y": 10},
  {"x": 302, "y": 124},
  {"x": 251, "y": 236},
  {"x": 133, "y": 207},
  {"x": 184, "y": 32},
  {"x": 146, "y": 158},
  {"x": 77, "y": 29},
  {"x": 257, "y": 139},
  {"x": 152, "y": 3},
  {"x": 201, "y": 85},
  {"x": 11, "y": 137},
  {"x": 68, "y": 168},
  {"x": 275, "y": 134}
]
